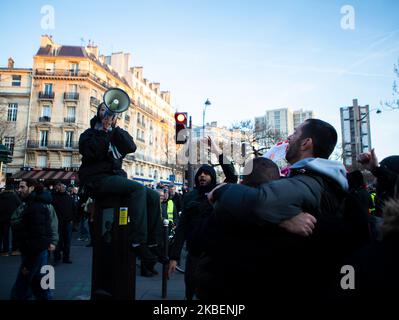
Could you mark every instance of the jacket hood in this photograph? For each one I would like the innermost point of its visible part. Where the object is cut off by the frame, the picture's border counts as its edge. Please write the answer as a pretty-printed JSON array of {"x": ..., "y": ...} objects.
[
  {"x": 93, "y": 122},
  {"x": 208, "y": 170},
  {"x": 334, "y": 170}
]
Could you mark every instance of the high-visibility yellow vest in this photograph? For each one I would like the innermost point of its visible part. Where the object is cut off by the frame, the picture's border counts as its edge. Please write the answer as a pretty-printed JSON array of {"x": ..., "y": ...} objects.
[
  {"x": 372, "y": 210},
  {"x": 170, "y": 209}
]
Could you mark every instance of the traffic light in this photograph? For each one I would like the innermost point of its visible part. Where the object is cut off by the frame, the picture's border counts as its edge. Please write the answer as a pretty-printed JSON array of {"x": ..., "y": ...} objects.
[{"x": 181, "y": 127}]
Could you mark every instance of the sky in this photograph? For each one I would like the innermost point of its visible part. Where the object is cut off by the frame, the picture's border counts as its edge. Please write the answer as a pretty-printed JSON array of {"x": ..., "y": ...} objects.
[{"x": 246, "y": 57}]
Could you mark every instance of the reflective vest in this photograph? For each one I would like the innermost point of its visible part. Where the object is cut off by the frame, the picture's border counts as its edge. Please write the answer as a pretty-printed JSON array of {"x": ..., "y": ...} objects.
[
  {"x": 372, "y": 210},
  {"x": 169, "y": 210}
]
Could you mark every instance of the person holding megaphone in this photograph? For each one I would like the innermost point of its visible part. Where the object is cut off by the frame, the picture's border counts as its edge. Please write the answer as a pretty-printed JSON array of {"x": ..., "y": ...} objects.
[{"x": 103, "y": 147}]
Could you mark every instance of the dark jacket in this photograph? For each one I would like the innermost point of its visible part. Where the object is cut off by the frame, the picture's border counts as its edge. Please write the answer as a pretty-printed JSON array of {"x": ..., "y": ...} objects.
[
  {"x": 38, "y": 226},
  {"x": 178, "y": 201},
  {"x": 9, "y": 201},
  {"x": 298, "y": 264},
  {"x": 64, "y": 207},
  {"x": 97, "y": 160},
  {"x": 196, "y": 208},
  {"x": 387, "y": 174}
]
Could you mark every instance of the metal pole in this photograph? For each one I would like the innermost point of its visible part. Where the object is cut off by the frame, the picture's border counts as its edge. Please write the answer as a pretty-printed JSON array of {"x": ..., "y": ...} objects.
[
  {"x": 190, "y": 170},
  {"x": 165, "y": 264}
]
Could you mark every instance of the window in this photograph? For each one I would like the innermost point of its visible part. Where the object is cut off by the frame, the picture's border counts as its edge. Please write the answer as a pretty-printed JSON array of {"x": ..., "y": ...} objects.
[
  {"x": 48, "y": 88},
  {"x": 74, "y": 68},
  {"x": 67, "y": 161},
  {"x": 138, "y": 118},
  {"x": 138, "y": 134},
  {"x": 71, "y": 114},
  {"x": 73, "y": 88},
  {"x": 16, "y": 80},
  {"x": 9, "y": 143},
  {"x": 46, "y": 111},
  {"x": 43, "y": 138},
  {"x": 42, "y": 161},
  {"x": 12, "y": 112},
  {"x": 50, "y": 66},
  {"x": 68, "y": 139}
]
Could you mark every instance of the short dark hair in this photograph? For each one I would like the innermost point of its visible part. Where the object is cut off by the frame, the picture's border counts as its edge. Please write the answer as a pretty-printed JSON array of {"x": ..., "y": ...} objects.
[
  {"x": 324, "y": 137},
  {"x": 34, "y": 183},
  {"x": 263, "y": 170}
]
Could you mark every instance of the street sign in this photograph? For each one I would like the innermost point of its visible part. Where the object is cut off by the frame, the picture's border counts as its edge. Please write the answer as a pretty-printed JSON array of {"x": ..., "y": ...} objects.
[{"x": 172, "y": 178}]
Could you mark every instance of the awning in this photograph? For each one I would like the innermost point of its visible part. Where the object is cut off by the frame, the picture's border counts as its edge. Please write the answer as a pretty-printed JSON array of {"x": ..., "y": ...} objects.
[
  {"x": 143, "y": 179},
  {"x": 45, "y": 175}
]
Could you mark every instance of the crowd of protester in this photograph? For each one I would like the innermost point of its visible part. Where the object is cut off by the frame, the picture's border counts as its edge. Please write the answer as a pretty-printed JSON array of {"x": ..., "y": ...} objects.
[{"x": 269, "y": 234}]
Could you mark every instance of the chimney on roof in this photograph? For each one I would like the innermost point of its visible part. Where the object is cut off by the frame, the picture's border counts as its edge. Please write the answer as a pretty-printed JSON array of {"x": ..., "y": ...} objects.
[
  {"x": 10, "y": 63},
  {"x": 166, "y": 96},
  {"x": 155, "y": 86},
  {"x": 46, "y": 40},
  {"x": 137, "y": 72},
  {"x": 92, "y": 49}
]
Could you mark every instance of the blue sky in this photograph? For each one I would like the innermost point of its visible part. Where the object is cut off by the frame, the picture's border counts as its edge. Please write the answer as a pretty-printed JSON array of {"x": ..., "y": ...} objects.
[{"x": 245, "y": 56}]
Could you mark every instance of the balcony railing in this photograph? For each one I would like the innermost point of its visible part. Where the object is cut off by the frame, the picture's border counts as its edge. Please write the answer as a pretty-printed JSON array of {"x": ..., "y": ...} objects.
[
  {"x": 71, "y": 96},
  {"x": 71, "y": 73},
  {"x": 53, "y": 144},
  {"x": 46, "y": 95},
  {"x": 70, "y": 119},
  {"x": 94, "y": 101},
  {"x": 61, "y": 73},
  {"x": 45, "y": 119}
]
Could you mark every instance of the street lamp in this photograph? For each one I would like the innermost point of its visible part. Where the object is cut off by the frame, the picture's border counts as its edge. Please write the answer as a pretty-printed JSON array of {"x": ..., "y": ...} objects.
[
  {"x": 359, "y": 130},
  {"x": 207, "y": 103},
  {"x": 365, "y": 115}
]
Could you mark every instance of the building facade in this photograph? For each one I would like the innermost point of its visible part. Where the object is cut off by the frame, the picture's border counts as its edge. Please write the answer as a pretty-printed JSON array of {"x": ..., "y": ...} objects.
[
  {"x": 278, "y": 124},
  {"x": 230, "y": 139},
  {"x": 68, "y": 83},
  {"x": 356, "y": 137},
  {"x": 15, "y": 91},
  {"x": 301, "y": 115}
]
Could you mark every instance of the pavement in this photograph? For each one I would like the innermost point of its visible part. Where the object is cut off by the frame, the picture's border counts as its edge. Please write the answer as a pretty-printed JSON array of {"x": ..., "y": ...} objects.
[{"x": 73, "y": 281}]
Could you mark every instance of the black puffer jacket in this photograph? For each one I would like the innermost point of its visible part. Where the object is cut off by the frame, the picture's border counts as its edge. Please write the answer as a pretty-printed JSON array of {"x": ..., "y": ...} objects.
[
  {"x": 196, "y": 209},
  {"x": 97, "y": 160},
  {"x": 36, "y": 233},
  {"x": 9, "y": 201},
  {"x": 64, "y": 206}
]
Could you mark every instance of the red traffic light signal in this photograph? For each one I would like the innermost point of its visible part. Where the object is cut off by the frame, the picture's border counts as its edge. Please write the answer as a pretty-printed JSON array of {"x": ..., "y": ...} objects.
[{"x": 181, "y": 127}]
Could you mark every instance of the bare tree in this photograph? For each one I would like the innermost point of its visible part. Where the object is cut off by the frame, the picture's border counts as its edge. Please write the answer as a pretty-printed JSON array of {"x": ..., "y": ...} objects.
[
  {"x": 338, "y": 153},
  {"x": 394, "y": 103},
  {"x": 260, "y": 138}
]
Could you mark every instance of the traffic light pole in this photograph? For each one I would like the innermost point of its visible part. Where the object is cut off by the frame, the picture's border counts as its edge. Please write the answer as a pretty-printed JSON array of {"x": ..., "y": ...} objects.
[{"x": 190, "y": 168}]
